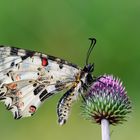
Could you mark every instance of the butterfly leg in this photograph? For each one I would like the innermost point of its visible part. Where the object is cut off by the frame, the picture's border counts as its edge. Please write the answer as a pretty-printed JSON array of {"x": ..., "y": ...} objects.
[{"x": 97, "y": 79}]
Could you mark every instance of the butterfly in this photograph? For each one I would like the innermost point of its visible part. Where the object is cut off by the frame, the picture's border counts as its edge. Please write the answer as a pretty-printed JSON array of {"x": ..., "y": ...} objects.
[{"x": 28, "y": 78}]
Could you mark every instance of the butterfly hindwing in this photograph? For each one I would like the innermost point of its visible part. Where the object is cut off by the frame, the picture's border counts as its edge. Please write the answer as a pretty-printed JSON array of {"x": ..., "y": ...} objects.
[
  {"x": 19, "y": 97},
  {"x": 24, "y": 97}
]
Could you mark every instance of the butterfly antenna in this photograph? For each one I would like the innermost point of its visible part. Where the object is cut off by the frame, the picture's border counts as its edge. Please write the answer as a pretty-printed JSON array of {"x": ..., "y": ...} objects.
[{"x": 93, "y": 42}]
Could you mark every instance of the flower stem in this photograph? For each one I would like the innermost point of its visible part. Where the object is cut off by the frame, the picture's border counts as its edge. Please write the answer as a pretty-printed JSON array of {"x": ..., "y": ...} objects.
[{"x": 105, "y": 129}]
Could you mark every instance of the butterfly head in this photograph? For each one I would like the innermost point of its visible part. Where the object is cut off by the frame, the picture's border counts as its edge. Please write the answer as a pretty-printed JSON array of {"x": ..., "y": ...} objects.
[{"x": 89, "y": 67}]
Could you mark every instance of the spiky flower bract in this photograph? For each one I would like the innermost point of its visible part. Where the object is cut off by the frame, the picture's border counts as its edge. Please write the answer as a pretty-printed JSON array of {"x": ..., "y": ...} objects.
[{"x": 106, "y": 99}]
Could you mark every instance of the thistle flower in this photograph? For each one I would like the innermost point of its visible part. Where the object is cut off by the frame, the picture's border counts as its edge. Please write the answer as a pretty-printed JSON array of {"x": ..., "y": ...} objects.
[{"x": 106, "y": 102}]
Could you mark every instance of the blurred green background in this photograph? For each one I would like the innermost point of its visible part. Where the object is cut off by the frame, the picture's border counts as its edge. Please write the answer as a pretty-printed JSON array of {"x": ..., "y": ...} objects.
[{"x": 62, "y": 28}]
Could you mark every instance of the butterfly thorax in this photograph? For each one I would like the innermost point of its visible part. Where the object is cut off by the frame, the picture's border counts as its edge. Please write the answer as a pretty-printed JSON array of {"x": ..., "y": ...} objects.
[{"x": 86, "y": 74}]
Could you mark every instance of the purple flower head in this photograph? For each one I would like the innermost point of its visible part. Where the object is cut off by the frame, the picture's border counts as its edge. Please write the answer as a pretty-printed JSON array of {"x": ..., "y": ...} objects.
[
  {"x": 108, "y": 84},
  {"x": 106, "y": 99}
]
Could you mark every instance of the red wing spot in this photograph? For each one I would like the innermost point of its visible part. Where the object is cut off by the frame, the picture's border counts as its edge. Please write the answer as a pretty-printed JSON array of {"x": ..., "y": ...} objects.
[
  {"x": 12, "y": 86},
  {"x": 32, "y": 109},
  {"x": 44, "y": 61},
  {"x": 17, "y": 77}
]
